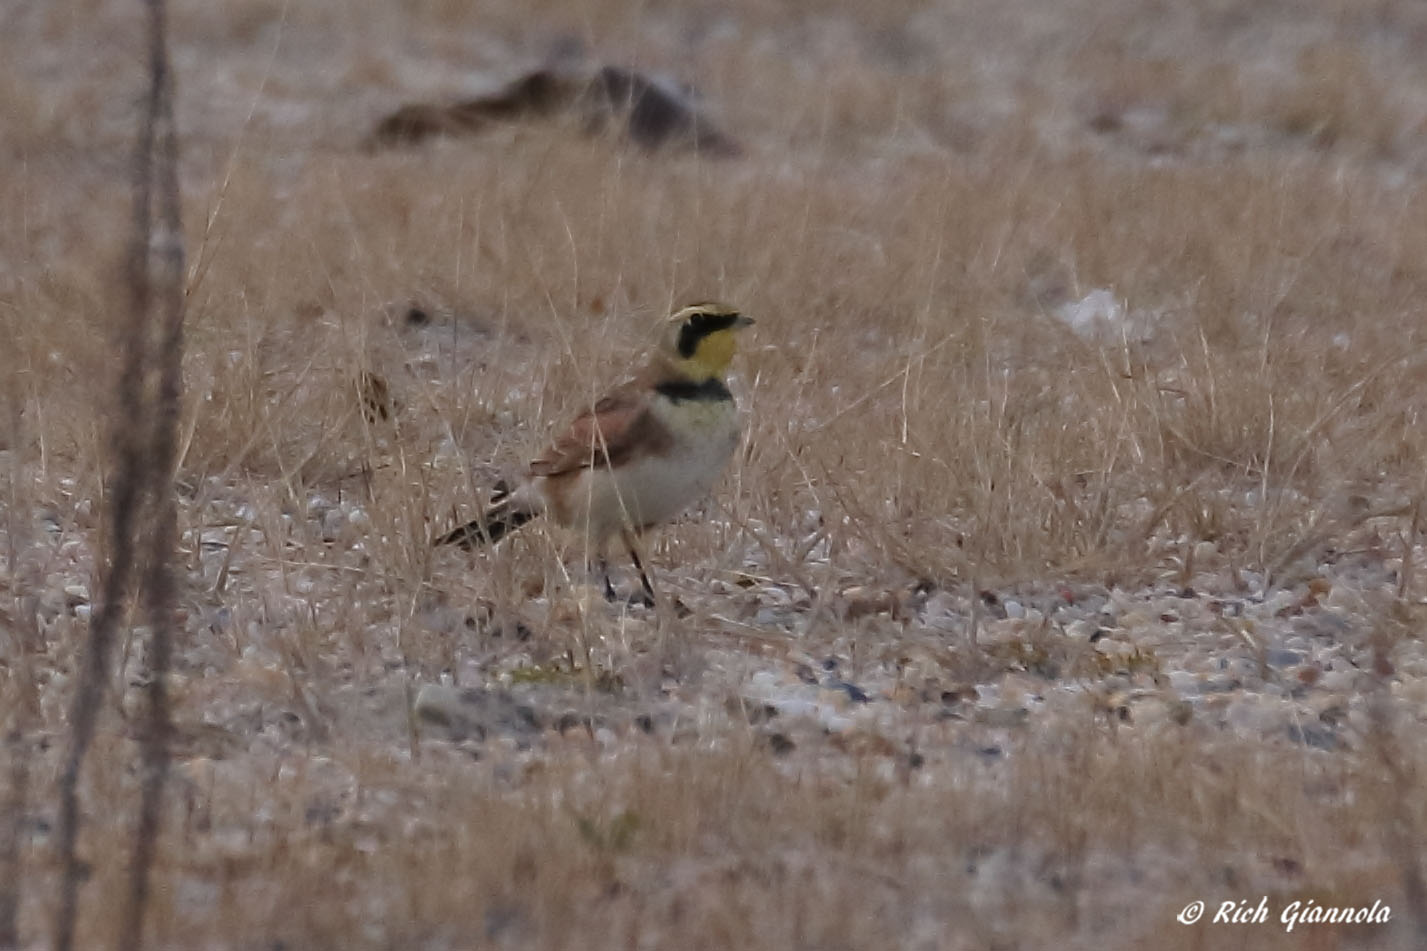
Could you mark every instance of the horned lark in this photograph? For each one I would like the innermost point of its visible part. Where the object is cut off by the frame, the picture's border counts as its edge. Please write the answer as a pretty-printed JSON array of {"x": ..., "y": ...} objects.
[{"x": 646, "y": 451}]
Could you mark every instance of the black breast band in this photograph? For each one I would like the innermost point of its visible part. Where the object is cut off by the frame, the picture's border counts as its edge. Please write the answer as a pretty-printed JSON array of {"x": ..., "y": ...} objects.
[{"x": 678, "y": 390}]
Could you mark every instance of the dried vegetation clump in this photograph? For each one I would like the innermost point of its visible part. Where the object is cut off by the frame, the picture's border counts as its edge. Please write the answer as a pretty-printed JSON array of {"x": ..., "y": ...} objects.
[{"x": 1072, "y": 569}]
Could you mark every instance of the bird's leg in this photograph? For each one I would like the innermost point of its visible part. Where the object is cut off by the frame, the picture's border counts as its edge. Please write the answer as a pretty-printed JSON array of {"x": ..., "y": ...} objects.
[
  {"x": 609, "y": 593},
  {"x": 639, "y": 566}
]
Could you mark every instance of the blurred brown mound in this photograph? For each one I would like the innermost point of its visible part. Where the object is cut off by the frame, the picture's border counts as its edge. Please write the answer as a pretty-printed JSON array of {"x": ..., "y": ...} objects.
[{"x": 646, "y": 111}]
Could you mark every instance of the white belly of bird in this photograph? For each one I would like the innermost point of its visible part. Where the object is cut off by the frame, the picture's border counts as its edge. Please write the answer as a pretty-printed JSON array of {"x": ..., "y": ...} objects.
[{"x": 653, "y": 489}]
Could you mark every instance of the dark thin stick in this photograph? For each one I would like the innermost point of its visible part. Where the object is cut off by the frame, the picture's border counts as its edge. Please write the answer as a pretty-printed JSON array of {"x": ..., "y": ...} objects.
[
  {"x": 132, "y": 443},
  {"x": 23, "y": 639},
  {"x": 163, "y": 441},
  {"x": 125, "y": 502}
]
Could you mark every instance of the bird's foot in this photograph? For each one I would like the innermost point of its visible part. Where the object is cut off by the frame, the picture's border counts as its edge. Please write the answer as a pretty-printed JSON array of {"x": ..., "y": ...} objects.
[
  {"x": 637, "y": 599},
  {"x": 640, "y": 599}
]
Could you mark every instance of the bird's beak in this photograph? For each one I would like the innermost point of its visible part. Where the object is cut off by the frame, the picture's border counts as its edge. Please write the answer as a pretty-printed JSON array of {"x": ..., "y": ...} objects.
[{"x": 743, "y": 321}]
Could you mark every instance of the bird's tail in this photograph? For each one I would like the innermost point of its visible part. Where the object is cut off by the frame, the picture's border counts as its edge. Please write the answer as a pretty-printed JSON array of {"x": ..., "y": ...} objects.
[{"x": 505, "y": 515}]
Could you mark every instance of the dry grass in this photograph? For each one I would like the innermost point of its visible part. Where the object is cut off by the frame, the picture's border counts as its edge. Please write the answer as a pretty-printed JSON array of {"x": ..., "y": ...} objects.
[{"x": 925, "y": 193}]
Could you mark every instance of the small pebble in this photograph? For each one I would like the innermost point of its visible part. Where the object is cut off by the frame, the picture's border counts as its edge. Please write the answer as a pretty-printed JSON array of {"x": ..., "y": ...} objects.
[
  {"x": 1317, "y": 737},
  {"x": 1280, "y": 658}
]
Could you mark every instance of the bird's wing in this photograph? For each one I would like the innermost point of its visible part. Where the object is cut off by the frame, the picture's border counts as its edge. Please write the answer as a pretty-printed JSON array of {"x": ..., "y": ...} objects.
[{"x": 618, "y": 429}]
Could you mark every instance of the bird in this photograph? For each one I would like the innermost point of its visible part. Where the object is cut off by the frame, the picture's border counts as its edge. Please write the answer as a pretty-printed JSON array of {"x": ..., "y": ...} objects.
[{"x": 647, "y": 450}]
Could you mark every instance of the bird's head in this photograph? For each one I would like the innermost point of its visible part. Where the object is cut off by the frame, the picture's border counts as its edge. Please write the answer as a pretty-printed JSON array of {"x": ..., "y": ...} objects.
[{"x": 701, "y": 339}]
